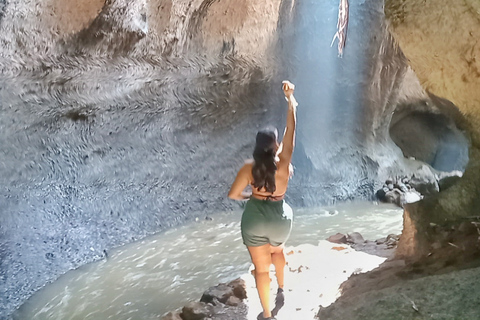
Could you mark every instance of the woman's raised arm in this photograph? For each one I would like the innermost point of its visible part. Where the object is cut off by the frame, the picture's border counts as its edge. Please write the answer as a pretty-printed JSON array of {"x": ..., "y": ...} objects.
[{"x": 288, "y": 142}]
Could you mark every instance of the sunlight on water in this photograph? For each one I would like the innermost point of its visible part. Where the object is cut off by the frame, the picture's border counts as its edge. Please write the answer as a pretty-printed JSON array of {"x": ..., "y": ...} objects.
[{"x": 148, "y": 278}]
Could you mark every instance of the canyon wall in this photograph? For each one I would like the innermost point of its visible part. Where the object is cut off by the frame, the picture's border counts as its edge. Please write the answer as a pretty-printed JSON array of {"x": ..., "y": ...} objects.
[
  {"x": 120, "y": 119},
  {"x": 440, "y": 40}
]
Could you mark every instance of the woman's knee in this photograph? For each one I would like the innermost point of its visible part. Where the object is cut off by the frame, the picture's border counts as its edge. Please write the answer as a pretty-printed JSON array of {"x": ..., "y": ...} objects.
[{"x": 262, "y": 265}]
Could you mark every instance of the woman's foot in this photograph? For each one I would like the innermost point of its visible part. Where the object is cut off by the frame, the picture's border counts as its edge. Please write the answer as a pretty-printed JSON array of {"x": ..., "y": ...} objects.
[
  {"x": 279, "y": 302},
  {"x": 261, "y": 317}
]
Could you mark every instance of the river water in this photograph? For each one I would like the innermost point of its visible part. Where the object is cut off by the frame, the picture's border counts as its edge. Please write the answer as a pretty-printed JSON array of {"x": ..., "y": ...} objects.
[{"x": 145, "y": 279}]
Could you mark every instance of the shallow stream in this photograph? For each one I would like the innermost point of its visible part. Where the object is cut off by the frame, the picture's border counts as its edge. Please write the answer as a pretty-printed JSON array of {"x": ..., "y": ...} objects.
[{"x": 161, "y": 273}]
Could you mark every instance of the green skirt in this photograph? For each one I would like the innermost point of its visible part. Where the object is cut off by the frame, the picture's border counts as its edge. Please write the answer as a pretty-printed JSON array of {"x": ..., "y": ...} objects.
[{"x": 265, "y": 221}]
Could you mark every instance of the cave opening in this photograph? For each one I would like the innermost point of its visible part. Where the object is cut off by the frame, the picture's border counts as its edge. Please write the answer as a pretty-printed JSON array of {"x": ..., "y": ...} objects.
[{"x": 430, "y": 136}]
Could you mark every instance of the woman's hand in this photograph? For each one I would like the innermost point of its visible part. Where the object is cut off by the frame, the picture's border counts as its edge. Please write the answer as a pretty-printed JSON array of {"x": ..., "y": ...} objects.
[{"x": 288, "y": 88}]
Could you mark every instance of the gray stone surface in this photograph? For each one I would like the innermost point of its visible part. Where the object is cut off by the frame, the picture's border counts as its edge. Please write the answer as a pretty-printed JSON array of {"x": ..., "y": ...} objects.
[
  {"x": 110, "y": 133},
  {"x": 447, "y": 296}
]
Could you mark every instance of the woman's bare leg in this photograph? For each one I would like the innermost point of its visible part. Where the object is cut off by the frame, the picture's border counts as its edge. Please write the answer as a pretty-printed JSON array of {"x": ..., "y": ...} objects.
[
  {"x": 262, "y": 259},
  {"x": 278, "y": 260}
]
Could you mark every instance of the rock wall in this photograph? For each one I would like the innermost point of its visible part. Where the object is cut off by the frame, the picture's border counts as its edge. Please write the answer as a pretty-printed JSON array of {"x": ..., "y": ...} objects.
[
  {"x": 440, "y": 234},
  {"x": 110, "y": 131},
  {"x": 440, "y": 41},
  {"x": 123, "y": 118}
]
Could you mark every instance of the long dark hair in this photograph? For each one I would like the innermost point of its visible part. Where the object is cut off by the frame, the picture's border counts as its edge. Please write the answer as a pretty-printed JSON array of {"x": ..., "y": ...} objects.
[{"x": 264, "y": 167}]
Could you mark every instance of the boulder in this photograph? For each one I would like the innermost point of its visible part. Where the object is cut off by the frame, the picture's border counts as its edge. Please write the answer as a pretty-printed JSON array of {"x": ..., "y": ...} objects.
[
  {"x": 448, "y": 179},
  {"x": 223, "y": 292},
  {"x": 355, "y": 238},
  {"x": 410, "y": 197},
  {"x": 392, "y": 240},
  {"x": 380, "y": 194},
  {"x": 233, "y": 301},
  {"x": 197, "y": 311},
  {"x": 424, "y": 181},
  {"x": 172, "y": 316},
  {"x": 400, "y": 191},
  {"x": 219, "y": 292},
  {"x": 338, "y": 238},
  {"x": 239, "y": 288},
  {"x": 394, "y": 196}
]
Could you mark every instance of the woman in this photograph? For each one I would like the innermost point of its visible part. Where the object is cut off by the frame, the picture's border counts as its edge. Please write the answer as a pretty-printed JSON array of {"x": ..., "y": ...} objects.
[{"x": 267, "y": 219}]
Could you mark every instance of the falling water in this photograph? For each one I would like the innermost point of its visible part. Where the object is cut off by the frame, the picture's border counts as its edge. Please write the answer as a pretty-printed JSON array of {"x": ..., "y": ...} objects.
[{"x": 332, "y": 159}]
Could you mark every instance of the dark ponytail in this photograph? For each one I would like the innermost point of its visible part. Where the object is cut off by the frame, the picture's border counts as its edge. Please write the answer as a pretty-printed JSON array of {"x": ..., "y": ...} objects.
[{"x": 264, "y": 167}]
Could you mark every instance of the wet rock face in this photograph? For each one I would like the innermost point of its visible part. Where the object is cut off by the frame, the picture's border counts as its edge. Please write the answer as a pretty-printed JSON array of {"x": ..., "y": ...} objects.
[
  {"x": 343, "y": 119},
  {"x": 2, "y": 8},
  {"x": 117, "y": 29},
  {"x": 452, "y": 75},
  {"x": 122, "y": 118},
  {"x": 108, "y": 136},
  {"x": 453, "y": 72}
]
